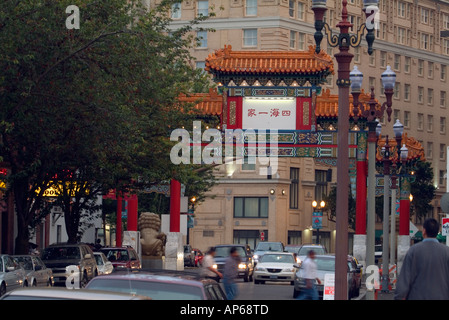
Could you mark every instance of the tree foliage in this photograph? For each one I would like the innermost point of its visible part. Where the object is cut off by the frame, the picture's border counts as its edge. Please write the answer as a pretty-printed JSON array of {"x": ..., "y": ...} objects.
[{"x": 88, "y": 110}]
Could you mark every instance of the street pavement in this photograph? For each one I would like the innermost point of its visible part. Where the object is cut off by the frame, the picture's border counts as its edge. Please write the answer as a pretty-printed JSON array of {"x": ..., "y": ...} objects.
[{"x": 379, "y": 296}]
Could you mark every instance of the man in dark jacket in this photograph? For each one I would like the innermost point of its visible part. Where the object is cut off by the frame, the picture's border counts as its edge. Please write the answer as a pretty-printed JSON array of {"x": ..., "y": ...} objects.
[
  {"x": 231, "y": 273},
  {"x": 425, "y": 272}
]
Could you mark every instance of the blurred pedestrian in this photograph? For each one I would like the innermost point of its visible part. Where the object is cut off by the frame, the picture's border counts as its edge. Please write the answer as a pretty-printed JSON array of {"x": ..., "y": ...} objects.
[
  {"x": 231, "y": 273},
  {"x": 98, "y": 245},
  {"x": 424, "y": 274},
  {"x": 208, "y": 265},
  {"x": 309, "y": 274}
]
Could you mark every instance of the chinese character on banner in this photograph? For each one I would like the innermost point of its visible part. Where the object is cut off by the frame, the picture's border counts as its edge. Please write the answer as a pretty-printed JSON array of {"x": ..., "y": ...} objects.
[
  {"x": 274, "y": 112},
  {"x": 286, "y": 113},
  {"x": 251, "y": 112}
]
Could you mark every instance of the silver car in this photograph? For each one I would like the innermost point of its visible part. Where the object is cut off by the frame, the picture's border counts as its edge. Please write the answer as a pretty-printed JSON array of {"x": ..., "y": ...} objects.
[
  {"x": 37, "y": 273},
  {"x": 103, "y": 264},
  {"x": 276, "y": 266},
  {"x": 64, "y": 294},
  {"x": 12, "y": 275}
]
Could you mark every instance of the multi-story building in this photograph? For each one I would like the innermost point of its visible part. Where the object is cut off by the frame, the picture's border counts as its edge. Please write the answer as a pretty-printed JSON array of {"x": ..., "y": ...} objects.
[{"x": 408, "y": 39}]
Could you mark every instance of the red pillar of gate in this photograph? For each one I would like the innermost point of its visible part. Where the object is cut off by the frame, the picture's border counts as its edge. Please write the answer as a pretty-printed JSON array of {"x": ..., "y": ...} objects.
[
  {"x": 404, "y": 208},
  {"x": 118, "y": 227},
  {"x": 132, "y": 213},
  {"x": 361, "y": 197},
  {"x": 175, "y": 206}
]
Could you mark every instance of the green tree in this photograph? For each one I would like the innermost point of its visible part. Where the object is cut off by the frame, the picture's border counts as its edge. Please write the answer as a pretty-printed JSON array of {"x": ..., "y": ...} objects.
[
  {"x": 331, "y": 205},
  {"x": 90, "y": 109},
  {"x": 422, "y": 189}
]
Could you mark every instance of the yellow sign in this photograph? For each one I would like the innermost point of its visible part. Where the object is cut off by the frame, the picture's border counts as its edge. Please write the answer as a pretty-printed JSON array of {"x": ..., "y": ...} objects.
[{"x": 55, "y": 191}]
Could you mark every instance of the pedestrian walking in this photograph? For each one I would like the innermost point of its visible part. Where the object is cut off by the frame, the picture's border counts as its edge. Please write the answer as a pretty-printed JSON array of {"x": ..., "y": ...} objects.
[
  {"x": 424, "y": 274},
  {"x": 231, "y": 273},
  {"x": 309, "y": 273},
  {"x": 208, "y": 266}
]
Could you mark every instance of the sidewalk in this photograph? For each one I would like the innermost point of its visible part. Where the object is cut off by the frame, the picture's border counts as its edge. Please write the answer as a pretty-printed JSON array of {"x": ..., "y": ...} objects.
[{"x": 380, "y": 295}]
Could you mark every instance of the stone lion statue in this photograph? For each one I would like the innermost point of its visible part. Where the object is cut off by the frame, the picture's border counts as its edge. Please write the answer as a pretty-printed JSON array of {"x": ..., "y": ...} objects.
[{"x": 152, "y": 241}]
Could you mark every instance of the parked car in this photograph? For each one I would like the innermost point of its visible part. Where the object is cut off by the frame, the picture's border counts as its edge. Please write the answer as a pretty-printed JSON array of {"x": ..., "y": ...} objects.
[
  {"x": 122, "y": 257},
  {"x": 72, "y": 262},
  {"x": 276, "y": 266},
  {"x": 64, "y": 294},
  {"x": 246, "y": 267},
  {"x": 37, "y": 272},
  {"x": 264, "y": 247},
  {"x": 304, "y": 249},
  {"x": 326, "y": 264},
  {"x": 160, "y": 285},
  {"x": 103, "y": 264},
  {"x": 198, "y": 257},
  {"x": 12, "y": 275},
  {"x": 189, "y": 256}
]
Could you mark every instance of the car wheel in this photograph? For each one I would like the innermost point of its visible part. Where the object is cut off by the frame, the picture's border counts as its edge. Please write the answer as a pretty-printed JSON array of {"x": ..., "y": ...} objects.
[{"x": 2, "y": 289}]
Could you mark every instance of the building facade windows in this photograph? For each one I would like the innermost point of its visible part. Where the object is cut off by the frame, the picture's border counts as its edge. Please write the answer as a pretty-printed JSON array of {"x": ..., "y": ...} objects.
[
  {"x": 202, "y": 8},
  {"x": 251, "y": 8},
  {"x": 250, "y": 37},
  {"x": 251, "y": 207},
  {"x": 294, "y": 188},
  {"x": 202, "y": 39}
]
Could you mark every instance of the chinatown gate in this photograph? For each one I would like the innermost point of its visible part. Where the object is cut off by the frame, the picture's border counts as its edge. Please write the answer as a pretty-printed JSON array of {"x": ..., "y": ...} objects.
[{"x": 262, "y": 91}]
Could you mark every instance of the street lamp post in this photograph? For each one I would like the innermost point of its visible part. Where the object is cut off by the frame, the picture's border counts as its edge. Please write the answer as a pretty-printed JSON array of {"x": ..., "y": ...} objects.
[
  {"x": 343, "y": 41},
  {"x": 398, "y": 129},
  {"x": 372, "y": 112},
  {"x": 385, "y": 243},
  {"x": 318, "y": 215}
]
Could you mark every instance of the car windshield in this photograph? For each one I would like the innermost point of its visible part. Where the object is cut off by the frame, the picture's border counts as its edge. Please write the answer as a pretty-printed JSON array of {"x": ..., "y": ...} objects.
[
  {"x": 223, "y": 252},
  {"x": 305, "y": 250},
  {"x": 154, "y": 289},
  {"x": 98, "y": 259},
  {"x": 61, "y": 253},
  {"x": 265, "y": 246},
  {"x": 25, "y": 262},
  {"x": 116, "y": 254},
  {"x": 292, "y": 249},
  {"x": 277, "y": 258},
  {"x": 324, "y": 264}
]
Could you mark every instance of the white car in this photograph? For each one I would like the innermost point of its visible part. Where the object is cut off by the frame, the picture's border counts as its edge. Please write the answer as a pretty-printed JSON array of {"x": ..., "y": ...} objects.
[
  {"x": 276, "y": 266},
  {"x": 12, "y": 275},
  {"x": 104, "y": 266}
]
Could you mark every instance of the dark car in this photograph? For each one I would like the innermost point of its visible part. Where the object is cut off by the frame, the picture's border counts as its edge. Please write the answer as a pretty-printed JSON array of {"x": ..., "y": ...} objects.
[
  {"x": 326, "y": 264},
  {"x": 160, "y": 285},
  {"x": 246, "y": 267},
  {"x": 71, "y": 264},
  {"x": 122, "y": 257}
]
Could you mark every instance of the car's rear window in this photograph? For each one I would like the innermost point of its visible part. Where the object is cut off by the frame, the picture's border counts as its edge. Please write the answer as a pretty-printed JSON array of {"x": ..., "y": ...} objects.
[
  {"x": 154, "y": 289},
  {"x": 223, "y": 252},
  {"x": 61, "y": 253},
  {"x": 305, "y": 250},
  {"x": 116, "y": 254}
]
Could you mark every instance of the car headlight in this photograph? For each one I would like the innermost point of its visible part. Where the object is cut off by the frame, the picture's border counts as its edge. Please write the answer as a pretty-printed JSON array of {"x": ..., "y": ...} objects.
[
  {"x": 288, "y": 270},
  {"x": 242, "y": 266},
  {"x": 260, "y": 269}
]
